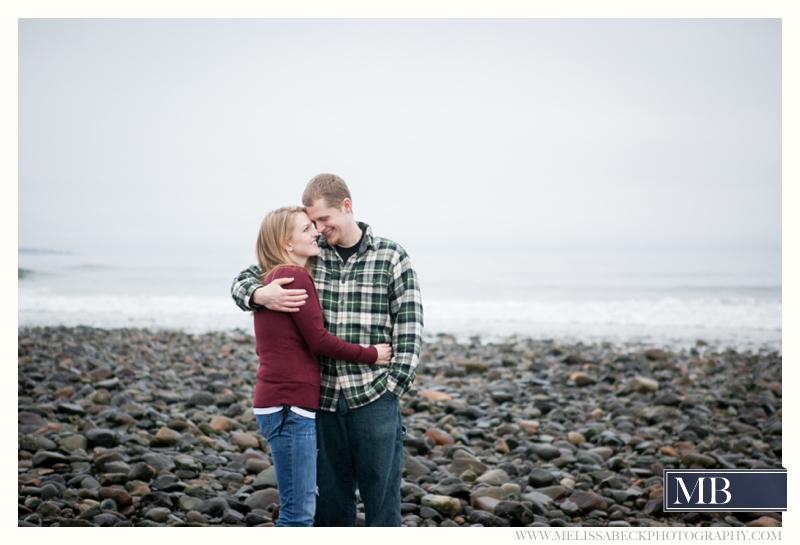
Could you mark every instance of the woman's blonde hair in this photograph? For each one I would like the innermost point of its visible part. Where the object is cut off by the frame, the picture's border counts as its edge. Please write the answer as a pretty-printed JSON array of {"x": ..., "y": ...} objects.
[{"x": 276, "y": 230}]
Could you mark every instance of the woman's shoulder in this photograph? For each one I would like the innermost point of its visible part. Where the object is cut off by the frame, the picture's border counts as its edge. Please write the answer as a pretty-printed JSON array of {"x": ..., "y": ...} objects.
[{"x": 288, "y": 271}]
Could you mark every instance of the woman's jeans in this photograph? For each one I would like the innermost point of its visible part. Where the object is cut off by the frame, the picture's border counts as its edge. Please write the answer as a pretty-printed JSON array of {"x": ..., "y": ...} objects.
[{"x": 294, "y": 453}]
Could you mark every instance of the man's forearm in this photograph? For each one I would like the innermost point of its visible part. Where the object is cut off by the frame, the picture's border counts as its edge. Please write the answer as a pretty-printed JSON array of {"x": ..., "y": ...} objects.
[
  {"x": 244, "y": 286},
  {"x": 406, "y": 308}
]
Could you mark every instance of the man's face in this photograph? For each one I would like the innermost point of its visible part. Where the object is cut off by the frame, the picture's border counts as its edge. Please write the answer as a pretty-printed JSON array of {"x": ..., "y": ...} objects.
[{"x": 330, "y": 221}]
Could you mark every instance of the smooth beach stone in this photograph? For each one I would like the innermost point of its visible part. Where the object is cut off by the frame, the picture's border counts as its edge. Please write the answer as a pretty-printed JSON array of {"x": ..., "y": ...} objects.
[
  {"x": 696, "y": 459},
  {"x": 443, "y": 504},
  {"x": 101, "y": 437},
  {"x": 200, "y": 399},
  {"x": 576, "y": 438},
  {"x": 106, "y": 520},
  {"x": 245, "y": 441},
  {"x": 582, "y": 379},
  {"x": 73, "y": 443},
  {"x": 119, "y": 495},
  {"x": 588, "y": 500},
  {"x": 213, "y": 507},
  {"x": 494, "y": 477},
  {"x": 413, "y": 468},
  {"x": 487, "y": 519},
  {"x": 49, "y": 491},
  {"x": 45, "y": 458},
  {"x": 31, "y": 419},
  {"x": 165, "y": 437},
  {"x": 544, "y": 451},
  {"x": 35, "y": 442},
  {"x": 142, "y": 471},
  {"x": 255, "y": 465},
  {"x": 441, "y": 437},
  {"x": 529, "y": 426},
  {"x": 221, "y": 423},
  {"x": 408, "y": 489},
  {"x": 184, "y": 461},
  {"x": 460, "y": 465},
  {"x": 159, "y": 462},
  {"x": 515, "y": 511},
  {"x": 495, "y": 492},
  {"x": 196, "y": 517},
  {"x": 138, "y": 488},
  {"x": 643, "y": 385},
  {"x": 656, "y": 354},
  {"x": 432, "y": 395},
  {"x": 157, "y": 499},
  {"x": 261, "y": 499},
  {"x": 158, "y": 514}
]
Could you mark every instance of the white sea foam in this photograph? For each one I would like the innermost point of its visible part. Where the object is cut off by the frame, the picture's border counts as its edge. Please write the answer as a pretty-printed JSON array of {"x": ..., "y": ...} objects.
[{"x": 728, "y": 301}]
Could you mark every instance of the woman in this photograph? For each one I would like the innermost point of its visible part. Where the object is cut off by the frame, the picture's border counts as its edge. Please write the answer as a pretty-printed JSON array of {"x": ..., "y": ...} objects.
[{"x": 288, "y": 378}]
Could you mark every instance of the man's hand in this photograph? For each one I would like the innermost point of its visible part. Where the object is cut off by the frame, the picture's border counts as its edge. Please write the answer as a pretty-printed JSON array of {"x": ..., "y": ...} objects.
[{"x": 274, "y": 297}]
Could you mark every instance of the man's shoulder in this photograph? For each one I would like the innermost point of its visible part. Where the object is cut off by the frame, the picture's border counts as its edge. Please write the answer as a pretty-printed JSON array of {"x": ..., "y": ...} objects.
[{"x": 387, "y": 245}]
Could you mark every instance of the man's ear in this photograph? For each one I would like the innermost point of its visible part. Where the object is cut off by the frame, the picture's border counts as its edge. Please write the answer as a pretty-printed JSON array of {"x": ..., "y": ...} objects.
[{"x": 347, "y": 205}]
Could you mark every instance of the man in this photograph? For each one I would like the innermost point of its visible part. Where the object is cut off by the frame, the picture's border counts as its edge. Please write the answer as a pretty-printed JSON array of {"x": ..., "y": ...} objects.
[{"x": 369, "y": 295}]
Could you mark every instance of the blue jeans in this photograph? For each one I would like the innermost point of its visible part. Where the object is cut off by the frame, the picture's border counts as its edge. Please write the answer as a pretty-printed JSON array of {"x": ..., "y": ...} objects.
[
  {"x": 294, "y": 453},
  {"x": 363, "y": 447}
]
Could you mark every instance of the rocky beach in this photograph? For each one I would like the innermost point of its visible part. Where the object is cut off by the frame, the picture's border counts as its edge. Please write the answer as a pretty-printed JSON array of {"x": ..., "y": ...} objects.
[{"x": 131, "y": 427}]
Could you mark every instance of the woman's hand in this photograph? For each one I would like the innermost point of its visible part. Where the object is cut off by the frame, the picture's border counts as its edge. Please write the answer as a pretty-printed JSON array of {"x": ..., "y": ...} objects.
[{"x": 384, "y": 354}]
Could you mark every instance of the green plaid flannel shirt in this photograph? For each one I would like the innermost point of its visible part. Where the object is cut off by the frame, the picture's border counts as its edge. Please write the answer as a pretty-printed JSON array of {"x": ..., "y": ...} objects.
[{"x": 374, "y": 298}]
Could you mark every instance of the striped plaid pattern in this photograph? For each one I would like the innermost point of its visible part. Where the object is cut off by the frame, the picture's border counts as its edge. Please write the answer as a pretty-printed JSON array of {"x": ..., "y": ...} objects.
[{"x": 373, "y": 298}]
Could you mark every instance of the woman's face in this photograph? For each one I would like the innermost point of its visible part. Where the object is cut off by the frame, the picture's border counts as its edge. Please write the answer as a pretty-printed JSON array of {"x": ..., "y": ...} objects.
[{"x": 303, "y": 243}]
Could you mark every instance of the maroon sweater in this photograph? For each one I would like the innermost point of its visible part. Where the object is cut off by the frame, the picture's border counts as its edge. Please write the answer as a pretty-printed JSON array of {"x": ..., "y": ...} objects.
[{"x": 287, "y": 344}]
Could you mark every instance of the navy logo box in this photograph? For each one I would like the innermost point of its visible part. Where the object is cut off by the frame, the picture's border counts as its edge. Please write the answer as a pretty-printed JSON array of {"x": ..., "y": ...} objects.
[{"x": 725, "y": 490}]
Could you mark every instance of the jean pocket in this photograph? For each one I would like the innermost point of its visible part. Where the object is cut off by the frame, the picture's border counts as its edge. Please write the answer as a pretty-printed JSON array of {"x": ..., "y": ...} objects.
[{"x": 389, "y": 395}]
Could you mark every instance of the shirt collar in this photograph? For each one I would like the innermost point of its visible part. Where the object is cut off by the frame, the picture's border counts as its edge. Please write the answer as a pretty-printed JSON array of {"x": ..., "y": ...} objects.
[{"x": 366, "y": 242}]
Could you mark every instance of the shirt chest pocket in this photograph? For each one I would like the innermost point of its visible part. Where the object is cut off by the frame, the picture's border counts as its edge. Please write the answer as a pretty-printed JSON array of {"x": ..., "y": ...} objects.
[{"x": 378, "y": 281}]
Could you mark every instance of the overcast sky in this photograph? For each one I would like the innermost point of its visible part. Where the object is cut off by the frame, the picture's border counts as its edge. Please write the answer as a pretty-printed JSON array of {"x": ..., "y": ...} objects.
[{"x": 179, "y": 135}]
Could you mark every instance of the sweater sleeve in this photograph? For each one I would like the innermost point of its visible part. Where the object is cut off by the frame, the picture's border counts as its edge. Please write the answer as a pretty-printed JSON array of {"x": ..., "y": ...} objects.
[{"x": 310, "y": 322}]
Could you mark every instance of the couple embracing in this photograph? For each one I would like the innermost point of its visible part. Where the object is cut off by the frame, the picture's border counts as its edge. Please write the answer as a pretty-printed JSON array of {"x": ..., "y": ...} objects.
[{"x": 338, "y": 326}]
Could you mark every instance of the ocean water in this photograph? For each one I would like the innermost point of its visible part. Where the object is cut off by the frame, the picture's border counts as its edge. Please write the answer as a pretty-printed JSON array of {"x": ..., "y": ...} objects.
[{"x": 662, "y": 299}]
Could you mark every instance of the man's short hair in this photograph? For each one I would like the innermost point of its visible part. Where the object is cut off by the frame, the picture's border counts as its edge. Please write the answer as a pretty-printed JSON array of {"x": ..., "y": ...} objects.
[{"x": 328, "y": 186}]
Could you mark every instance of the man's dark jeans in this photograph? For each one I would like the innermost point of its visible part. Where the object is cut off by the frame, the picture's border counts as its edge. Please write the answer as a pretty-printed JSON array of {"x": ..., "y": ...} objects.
[{"x": 362, "y": 447}]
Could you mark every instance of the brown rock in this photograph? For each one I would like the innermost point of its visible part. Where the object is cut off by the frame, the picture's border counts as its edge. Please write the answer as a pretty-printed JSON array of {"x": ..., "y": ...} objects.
[
  {"x": 576, "y": 438},
  {"x": 119, "y": 495},
  {"x": 441, "y": 437},
  {"x": 595, "y": 414},
  {"x": 588, "y": 500},
  {"x": 655, "y": 354},
  {"x": 138, "y": 488},
  {"x": 65, "y": 392},
  {"x": 433, "y": 395},
  {"x": 221, "y": 423},
  {"x": 245, "y": 441},
  {"x": 501, "y": 446},
  {"x": 692, "y": 458},
  {"x": 474, "y": 366},
  {"x": 582, "y": 379},
  {"x": 529, "y": 426},
  {"x": 764, "y": 522},
  {"x": 165, "y": 437},
  {"x": 460, "y": 465},
  {"x": 668, "y": 451}
]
